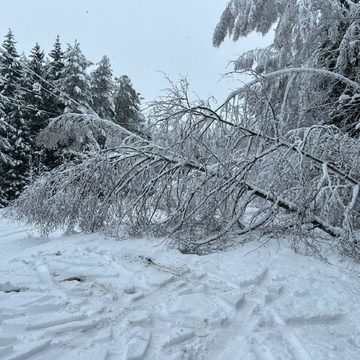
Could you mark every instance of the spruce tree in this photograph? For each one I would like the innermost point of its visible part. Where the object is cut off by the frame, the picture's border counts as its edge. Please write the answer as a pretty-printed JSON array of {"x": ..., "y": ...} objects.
[
  {"x": 102, "y": 87},
  {"x": 56, "y": 63},
  {"x": 15, "y": 173},
  {"x": 19, "y": 172},
  {"x": 54, "y": 71},
  {"x": 10, "y": 69},
  {"x": 75, "y": 83},
  {"x": 36, "y": 91},
  {"x": 127, "y": 105},
  {"x": 20, "y": 136},
  {"x": 312, "y": 34},
  {"x": 53, "y": 102},
  {"x": 5, "y": 158},
  {"x": 37, "y": 98}
]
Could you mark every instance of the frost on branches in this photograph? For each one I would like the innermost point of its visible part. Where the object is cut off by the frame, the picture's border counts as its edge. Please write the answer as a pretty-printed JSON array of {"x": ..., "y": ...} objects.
[
  {"x": 102, "y": 88},
  {"x": 313, "y": 34},
  {"x": 81, "y": 134},
  {"x": 281, "y": 155},
  {"x": 207, "y": 175},
  {"x": 76, "y": 81},
  {"x": 39, "y": 96}
]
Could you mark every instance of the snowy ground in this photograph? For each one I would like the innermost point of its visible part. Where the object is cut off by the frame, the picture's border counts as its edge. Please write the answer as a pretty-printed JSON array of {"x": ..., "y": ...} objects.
[{"x": 86, "y": 297}]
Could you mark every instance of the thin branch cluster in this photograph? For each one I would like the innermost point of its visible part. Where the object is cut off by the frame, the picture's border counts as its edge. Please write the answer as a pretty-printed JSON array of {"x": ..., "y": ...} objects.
[{"x": 206, "y": 176}]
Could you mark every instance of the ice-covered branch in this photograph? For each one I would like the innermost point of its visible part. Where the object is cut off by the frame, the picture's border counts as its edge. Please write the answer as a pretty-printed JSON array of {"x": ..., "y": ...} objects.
[
  {"x": 199, "y": 178},
  {"x": 282, "y": 72}
]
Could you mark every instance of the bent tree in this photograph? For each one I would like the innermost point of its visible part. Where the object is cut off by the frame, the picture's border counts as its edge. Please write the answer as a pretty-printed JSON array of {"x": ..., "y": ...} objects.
[
  {"x": 280, "y": 155},
  {"x": 205, "y": 176}
]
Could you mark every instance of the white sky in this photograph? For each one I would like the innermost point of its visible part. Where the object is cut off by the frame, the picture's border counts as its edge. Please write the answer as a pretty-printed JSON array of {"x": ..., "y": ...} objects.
[{"x": 141, "y": 37}]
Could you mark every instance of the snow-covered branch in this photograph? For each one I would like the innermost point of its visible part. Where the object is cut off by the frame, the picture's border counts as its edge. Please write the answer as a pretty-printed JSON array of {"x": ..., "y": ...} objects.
[
  {"x": 200, "y": 177},
  {"x": 282, "y": 72},
  {"x": 81, "y": 132}
]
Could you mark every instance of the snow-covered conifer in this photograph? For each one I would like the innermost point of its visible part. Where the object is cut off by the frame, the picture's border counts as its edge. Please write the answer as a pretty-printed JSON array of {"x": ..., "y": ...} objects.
[
  {"x": 127, "y": 105},
  {"x": 5, "y": 158},
  {"x": 75, "y": 83},
  {"x": 37, "y": 91},
  {"x": 312, "y": 34},
  {"x": 102, "y": 87},
  {"x": 10, "y": 69},
  {"x": 15, "y": 173},
  {"x": 56, "y": 62}
]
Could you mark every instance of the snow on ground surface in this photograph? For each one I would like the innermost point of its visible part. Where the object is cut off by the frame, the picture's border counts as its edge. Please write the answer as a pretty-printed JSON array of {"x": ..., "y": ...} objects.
[{"x": 89, "y": 297}]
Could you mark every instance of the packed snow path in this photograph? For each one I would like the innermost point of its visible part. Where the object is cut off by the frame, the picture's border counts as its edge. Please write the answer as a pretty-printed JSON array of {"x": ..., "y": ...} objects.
[{"x": 88, "y": 297}]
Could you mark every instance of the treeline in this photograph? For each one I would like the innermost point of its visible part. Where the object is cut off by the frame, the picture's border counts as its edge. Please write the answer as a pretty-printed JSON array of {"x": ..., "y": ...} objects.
[{"x": 39, "y": 87}]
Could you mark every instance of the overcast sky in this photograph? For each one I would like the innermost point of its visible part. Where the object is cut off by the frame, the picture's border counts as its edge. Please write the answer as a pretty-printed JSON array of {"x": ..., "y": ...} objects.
[{"x": 141, "y": 37}]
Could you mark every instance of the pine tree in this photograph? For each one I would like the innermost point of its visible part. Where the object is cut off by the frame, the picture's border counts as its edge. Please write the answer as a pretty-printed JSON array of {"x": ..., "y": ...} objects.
[
  {"x": 127, "y": 105},
  {"x": 75, "y": 84},
  {"x": 102, "y": 87}
]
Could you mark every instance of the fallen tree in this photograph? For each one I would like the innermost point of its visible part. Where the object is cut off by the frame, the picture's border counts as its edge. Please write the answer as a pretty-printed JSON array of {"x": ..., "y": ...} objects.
[{"x": 205, "y": 177}]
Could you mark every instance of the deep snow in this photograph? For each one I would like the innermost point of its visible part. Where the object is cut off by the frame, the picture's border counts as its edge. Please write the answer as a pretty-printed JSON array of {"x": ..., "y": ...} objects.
[{"x": 94, "y": 298}]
